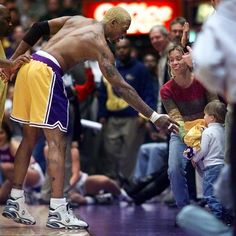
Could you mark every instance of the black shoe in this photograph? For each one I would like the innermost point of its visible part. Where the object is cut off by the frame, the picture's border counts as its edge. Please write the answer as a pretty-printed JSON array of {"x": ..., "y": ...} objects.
[{"x": 123, "y": 181}]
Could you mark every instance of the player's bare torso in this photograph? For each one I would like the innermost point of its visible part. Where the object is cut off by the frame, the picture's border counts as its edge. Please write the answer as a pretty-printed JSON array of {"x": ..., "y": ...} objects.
[{"x": 80, "y": 39}]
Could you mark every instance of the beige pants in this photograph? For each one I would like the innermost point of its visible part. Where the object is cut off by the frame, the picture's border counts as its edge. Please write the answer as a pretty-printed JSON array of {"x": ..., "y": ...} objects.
[{"x": 122, "y": 139}]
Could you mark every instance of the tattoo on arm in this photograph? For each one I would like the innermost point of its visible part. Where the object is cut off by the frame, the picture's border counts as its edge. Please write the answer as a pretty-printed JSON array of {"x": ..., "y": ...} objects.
[
  {"x": 127, "y": 92},
  {"x": 110, "y": 71}
]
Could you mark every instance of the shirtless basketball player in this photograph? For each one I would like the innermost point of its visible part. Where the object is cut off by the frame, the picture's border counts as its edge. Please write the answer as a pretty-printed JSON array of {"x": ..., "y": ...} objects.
[{"x": 40, "y": 101}]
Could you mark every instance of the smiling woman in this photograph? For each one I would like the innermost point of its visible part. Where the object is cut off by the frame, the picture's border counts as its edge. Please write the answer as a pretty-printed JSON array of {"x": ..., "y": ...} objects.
[
  {"x": 178, "y": 66},
  {"x": 184, "y": 99}
]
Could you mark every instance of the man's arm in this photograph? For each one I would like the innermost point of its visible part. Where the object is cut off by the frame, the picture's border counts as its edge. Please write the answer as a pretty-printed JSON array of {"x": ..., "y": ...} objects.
[
  {"x": 10, "y": 66},
  {"x": 173, "y": 111},
  {"x": 4, "y": 63},
  {"x": 14, "y": 64},
  {"x": 37, "y": 30},
  {"x": 128, "y": 93}
]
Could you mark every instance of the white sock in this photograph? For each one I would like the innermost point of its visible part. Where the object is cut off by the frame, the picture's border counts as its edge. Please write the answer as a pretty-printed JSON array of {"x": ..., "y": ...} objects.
[
  {"x": 17, "y": 193},
  {"x": 56, "y": 202},
  {"x": 90, "y": 200}
]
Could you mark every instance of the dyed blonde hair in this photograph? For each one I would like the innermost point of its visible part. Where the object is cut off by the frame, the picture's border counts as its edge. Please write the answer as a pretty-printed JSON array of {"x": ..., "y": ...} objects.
[{"x": 117, "y": 13}]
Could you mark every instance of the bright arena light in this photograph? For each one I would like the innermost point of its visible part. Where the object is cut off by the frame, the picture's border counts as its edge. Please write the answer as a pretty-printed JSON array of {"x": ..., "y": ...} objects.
[{"x": 143, "y": 16}]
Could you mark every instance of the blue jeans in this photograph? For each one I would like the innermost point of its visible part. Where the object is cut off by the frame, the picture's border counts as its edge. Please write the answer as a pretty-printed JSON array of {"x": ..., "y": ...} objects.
[
  {"x": 176, "y": 171},
  {"x": 210, "y": 175},
  {"x": 151, "y": 158}
]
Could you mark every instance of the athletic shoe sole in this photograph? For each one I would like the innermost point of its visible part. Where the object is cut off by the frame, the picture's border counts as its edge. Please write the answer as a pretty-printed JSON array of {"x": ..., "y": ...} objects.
[
  {"x": 59, "y": 225},
  {"x": 14, "y": 216}
]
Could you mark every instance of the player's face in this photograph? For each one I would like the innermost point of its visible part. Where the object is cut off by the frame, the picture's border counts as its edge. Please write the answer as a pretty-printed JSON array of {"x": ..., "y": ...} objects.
[{"x": 119, "y": 30}]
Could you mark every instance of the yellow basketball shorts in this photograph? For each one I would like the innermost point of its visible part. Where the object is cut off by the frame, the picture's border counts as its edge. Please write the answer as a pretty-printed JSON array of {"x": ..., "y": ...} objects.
[{"x": 39, "y": 98}]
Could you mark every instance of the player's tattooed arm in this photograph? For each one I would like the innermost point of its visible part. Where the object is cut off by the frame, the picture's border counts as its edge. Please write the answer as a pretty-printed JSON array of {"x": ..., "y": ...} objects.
[{"x": 121, "y": 87}]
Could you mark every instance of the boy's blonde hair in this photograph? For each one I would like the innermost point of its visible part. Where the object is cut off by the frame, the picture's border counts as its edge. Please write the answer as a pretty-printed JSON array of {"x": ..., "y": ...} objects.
[{"x": 217, "y": 109}]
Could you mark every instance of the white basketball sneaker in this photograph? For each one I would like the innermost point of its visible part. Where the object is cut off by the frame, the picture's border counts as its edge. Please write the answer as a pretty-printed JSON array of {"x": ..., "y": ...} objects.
[
  {"x": 63, "y": 217},
  {"x": 16, "y": 209}
]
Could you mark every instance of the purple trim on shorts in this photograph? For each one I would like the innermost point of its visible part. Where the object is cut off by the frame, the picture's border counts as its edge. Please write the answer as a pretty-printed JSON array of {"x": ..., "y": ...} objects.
[
  {"x": 57, "y": 111},
  {"x": 59, "y": 104},
  {"x": 50, "y": 63}
]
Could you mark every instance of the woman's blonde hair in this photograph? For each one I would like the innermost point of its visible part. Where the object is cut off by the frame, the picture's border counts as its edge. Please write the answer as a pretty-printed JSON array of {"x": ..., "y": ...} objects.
[{"x": 117, "y": 13}]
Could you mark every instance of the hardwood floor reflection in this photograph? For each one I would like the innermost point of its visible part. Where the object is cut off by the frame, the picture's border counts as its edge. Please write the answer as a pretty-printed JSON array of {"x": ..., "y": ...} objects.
[{"x": 150, "y": 219}]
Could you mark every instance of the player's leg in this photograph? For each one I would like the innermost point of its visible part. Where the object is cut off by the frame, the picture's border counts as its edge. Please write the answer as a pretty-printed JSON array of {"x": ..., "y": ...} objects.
[
  {"x": 16, "y": 208},
  {"x": 60, "y": 215}
]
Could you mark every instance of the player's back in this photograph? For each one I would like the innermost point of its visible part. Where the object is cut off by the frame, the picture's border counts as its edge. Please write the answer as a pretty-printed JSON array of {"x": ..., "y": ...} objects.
[{"x": 76, "y": 41}]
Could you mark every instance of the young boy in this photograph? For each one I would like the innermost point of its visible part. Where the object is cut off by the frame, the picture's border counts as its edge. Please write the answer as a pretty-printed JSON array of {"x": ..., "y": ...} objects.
[{"x": 212, "y": 153}]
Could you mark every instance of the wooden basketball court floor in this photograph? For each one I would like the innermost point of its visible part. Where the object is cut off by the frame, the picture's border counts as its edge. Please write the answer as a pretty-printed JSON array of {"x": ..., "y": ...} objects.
[{"x": 151, "y": 219}]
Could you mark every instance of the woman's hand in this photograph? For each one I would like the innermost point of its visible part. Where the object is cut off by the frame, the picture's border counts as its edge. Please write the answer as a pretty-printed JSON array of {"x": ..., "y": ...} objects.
[{"x": 187, "y": 57}]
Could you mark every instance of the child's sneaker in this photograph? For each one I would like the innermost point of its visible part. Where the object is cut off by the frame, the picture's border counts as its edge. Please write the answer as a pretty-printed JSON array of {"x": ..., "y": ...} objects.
[
  {"x": 63, "y": 217},
  {"x": 16, "y": 209}
]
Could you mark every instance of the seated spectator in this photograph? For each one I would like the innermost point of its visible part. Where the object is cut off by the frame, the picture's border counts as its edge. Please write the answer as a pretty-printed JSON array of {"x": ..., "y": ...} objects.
[
  {"x": 147, "y": 187},
  {"x": 151, "y": 158},
  {"x": 16, "y": 128},
  {"x": 8, "y": 148},
  {"x": 150, "y": 175}
]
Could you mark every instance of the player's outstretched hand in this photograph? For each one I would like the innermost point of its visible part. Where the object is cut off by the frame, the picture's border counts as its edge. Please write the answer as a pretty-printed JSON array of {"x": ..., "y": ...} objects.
[{"x": 167, "y": 124}]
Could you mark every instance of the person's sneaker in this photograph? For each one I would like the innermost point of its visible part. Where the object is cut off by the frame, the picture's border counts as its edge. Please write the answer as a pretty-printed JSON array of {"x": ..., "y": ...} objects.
[
  {"x": 125, "y": 197},
  {"x": 104, "y": 198},
  {"x": 63, "y": 217},
  {"x": 16, "y": 209}
]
